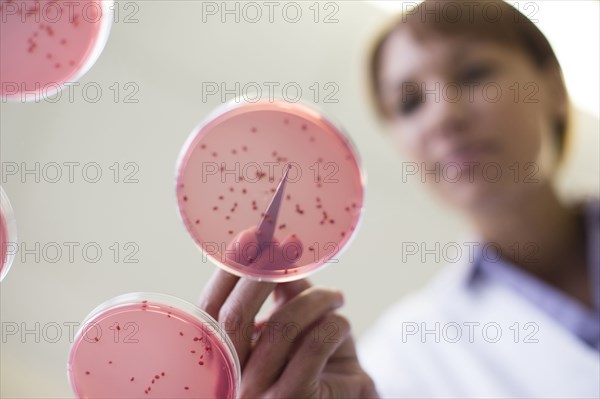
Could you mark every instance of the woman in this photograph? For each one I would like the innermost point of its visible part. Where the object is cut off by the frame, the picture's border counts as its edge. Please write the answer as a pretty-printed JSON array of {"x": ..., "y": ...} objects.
[{"x": 476, "y": 95}]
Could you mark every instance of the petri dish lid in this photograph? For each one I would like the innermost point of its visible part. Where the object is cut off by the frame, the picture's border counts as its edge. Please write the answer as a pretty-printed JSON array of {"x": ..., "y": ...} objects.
[
  {"x": 155, "y": 345},
  {"x": 45, "y": 44},
  {"x": 8, "y": 234},
  {"x": 229, "y": 172}
]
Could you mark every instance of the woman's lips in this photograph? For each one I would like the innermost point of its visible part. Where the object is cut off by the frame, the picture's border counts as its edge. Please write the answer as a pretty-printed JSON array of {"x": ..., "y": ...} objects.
[{"x": 468, "y": 154}]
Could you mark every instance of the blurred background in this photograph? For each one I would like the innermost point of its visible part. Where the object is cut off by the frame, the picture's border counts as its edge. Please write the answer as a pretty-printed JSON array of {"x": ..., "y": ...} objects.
[{"x": 158, "y": 58}]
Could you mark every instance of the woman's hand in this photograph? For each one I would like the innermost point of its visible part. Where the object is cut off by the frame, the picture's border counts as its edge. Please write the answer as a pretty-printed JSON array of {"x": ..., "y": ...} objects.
[{"x": 303, "y": 349}]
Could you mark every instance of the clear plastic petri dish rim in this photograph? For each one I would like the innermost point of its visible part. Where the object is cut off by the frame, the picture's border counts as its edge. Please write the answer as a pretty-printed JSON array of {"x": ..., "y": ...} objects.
[
  {"x": 157, "y": 300},
  {"x": 50, "y": 89},
  {"x": 11, "y": 233},
  {"x": 238, "y": 104}
]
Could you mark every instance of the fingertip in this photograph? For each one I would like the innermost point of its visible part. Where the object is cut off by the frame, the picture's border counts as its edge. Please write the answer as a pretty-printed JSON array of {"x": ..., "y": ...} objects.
[
  {"x": 293, "y": 239},
  {"x": 286, "y": 291},
  {"x": 244, "y": 237},
  {"x": 292, "y": 249},
  {"x": 242, "y": 248},
  {"x": 340, "y": 298}
]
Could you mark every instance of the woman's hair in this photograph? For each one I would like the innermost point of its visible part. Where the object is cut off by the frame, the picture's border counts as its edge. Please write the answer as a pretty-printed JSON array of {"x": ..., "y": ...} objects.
[{"x": 493, "y": 20}]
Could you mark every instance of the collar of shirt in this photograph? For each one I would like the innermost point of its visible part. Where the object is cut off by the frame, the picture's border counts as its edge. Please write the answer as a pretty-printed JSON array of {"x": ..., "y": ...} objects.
[{"x": 486, "y": 263}]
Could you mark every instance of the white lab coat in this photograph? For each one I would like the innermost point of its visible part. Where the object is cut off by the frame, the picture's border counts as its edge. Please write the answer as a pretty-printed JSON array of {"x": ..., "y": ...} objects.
[{"x": 405, "y": 364}]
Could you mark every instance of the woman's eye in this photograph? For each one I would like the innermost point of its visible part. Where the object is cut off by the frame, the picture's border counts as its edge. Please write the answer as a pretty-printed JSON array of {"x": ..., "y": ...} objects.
[
  {"x": 409, "y": 104},
  {"x": 476, "y": 72}
]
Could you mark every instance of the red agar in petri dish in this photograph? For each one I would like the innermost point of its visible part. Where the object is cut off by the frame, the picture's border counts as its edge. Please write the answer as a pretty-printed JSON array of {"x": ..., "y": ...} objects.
[
  {"x": 45, "y": 44},
  {"x": 8, "y": 234},
  {"x": 152, "y": 345},
  {"x": 228, "y": 176}
]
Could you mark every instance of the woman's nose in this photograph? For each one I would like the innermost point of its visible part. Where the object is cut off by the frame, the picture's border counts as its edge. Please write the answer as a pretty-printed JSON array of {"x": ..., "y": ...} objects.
[{"x": 447, "y": 110}]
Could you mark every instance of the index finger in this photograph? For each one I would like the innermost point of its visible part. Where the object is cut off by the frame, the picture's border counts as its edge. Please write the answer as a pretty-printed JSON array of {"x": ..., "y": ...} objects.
[
  {"x": 216, "y": 291},
  {"x": 233, "y": 301},
  {"x": 237, "y": 315},
  {"x": 286, "y": 291},
  {"x": 221, "y": 283}
]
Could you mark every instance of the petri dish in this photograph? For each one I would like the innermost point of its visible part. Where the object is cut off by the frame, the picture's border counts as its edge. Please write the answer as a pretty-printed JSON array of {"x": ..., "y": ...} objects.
[
  {"x": 152, "y": 345},
  {"x": 45, "y": 44},
  {"x": 229, "y": 171},
  {"x": 8, "y": 234}
]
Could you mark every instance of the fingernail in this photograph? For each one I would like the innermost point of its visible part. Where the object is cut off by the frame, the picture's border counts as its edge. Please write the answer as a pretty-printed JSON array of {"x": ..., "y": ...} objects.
[{"x": 340, "y": 297}]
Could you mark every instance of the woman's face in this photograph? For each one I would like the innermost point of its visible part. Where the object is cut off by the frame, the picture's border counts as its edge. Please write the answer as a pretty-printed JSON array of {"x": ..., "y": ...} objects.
[{"x": 474, "y": 118}]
